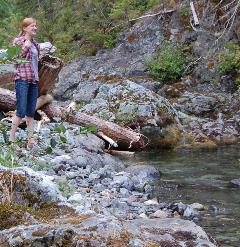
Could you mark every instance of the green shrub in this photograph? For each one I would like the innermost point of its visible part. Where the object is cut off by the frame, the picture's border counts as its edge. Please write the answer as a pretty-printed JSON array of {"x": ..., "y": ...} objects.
[
  {"x": 128, "y": 9},
  {"x": 8, "y": 158},
  {"x": 110, "y": 40},
  {"x": 152, "y": 3},
  {"x": 229, "y": 61},
  {"x": 168, "y": 64}
]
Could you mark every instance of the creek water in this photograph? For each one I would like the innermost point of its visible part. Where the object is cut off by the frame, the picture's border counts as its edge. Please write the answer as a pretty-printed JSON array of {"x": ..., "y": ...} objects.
[{"x": 203, "y": 177}]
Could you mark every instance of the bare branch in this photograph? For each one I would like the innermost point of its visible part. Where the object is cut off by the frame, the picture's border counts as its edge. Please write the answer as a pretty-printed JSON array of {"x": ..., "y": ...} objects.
[
  {"x": 230, "y": 21},
  {"x": 142, "y": 17}
]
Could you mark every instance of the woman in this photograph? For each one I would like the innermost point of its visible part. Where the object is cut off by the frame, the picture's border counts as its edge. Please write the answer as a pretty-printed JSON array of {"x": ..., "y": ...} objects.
[{"x": 26, "y": 79}]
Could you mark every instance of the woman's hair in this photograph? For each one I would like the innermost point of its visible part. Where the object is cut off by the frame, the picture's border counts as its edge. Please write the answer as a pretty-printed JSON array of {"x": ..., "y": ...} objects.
[{"x": 25, "y": 23}]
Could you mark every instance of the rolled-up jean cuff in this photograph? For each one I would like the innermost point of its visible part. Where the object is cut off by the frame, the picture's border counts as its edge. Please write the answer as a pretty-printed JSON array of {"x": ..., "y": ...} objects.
[{"x": 18, "y": 115}]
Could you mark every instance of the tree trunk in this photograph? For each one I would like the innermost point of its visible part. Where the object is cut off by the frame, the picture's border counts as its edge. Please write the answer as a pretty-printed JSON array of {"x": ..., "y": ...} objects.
[
  {"x": 49, "y": 68},
  {"x": 125, "y": 138},
  {"x": 7, "y": 100}
]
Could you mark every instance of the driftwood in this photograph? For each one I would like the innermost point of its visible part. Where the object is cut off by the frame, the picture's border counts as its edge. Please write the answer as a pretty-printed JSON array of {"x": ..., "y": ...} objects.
[
  {"x": 107, "y": 139},
  {"x": 125, "y": 138},
  {"x": 165, "y": 11},
  {"x": 6, "y": 78},
  {"x": 194, "y": 13},
  {"x": 44, "y": 120},
  {"x": 7, "y": 100}
]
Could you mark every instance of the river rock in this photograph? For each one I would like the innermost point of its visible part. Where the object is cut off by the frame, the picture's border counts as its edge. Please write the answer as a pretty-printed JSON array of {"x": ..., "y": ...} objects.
[
  {"x": 151, "y": 202},
  {"x": 132, "y": 49},
  {"x": 235, "y": 183},
  {"x": 143, "y": 173},
  {"x": 197, "y": 206},
  {"x": 159, "y": 214},
  {"x": 125, "y": 101},
  {"x": 77, "y": 197},
  {"x": 190, "y": 212}
]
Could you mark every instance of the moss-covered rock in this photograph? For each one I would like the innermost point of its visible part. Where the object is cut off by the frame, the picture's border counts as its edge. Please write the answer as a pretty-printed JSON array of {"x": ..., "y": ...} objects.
[{"x": 27, "y": 187}]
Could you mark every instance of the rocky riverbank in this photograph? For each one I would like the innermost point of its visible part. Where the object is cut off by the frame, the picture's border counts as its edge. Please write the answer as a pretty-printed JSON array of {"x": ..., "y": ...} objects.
[{"x": 69, "y": 192}]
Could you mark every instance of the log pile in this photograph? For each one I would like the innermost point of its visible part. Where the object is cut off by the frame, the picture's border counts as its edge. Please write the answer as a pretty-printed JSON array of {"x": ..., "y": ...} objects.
[
  {"x": 49, "y": 68},
  {"x": 124, "y": 137}
]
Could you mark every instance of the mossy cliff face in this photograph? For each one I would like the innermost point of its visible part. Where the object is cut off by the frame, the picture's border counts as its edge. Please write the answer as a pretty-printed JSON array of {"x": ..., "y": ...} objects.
[{"x": 202, "y": 94}]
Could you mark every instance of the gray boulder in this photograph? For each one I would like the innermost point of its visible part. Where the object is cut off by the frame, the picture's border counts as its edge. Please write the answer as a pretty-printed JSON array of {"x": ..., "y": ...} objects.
[
  {"x": 29, "y": 188},
  {"x": 125, "y": 101},
  {"x": 144, "y": 173}
]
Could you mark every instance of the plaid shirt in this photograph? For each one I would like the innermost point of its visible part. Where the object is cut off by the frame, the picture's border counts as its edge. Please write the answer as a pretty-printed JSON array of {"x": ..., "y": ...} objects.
[{"x": 25, "y": 71}]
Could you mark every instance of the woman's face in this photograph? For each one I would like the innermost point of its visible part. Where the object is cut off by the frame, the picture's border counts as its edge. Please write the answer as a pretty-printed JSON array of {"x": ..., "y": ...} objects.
[{"x": 31, "y": 29}]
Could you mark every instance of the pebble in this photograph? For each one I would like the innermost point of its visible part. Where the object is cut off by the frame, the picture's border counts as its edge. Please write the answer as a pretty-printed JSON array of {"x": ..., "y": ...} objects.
[
  {"x": 159, "y": 214},
  {"x": 151, "y": 202},
  {"x": 197, "y": 206}
]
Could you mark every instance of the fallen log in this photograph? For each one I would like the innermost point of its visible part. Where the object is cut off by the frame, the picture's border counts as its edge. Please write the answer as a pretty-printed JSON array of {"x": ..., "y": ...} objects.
[
  {"x": 124, "y": 137},
  {"x": 132, "y": 21}
]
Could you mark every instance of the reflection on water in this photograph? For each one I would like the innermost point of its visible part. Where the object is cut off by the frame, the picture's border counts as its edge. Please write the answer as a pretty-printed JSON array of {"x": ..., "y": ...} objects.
[{"x": 202, "y": 177}]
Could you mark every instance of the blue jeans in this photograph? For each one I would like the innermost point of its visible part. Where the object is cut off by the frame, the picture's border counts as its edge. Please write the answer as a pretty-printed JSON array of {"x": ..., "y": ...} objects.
[{"x": 26, "y": 94}]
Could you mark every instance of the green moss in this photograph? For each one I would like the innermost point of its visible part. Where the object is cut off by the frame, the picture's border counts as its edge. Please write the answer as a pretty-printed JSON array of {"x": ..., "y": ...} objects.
[
  {"x": 171, "y": 138},
  {"x": 200, "y": 145},
  {"x": 13, "y": 215},
  {"x": 124, "y": 118}
]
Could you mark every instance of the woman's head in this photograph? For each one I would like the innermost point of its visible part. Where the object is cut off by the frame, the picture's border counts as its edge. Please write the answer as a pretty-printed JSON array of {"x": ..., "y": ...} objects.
[{"x": 29, "y": 27}]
